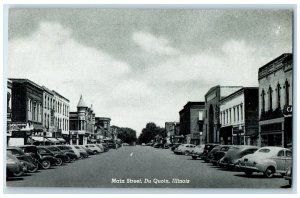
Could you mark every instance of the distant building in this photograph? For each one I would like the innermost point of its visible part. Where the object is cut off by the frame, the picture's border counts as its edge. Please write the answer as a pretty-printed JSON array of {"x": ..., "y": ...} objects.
[
  {"x": 189, "y": 122},
  {"x": 239, "y": 117},
  {"x": 275, "y": 101},
  {"x": 172, "y": 131},
  {"x": 103, "y": 129},
  {"x": 82, "y": 124},
  {"x": 211, "y": 126}
]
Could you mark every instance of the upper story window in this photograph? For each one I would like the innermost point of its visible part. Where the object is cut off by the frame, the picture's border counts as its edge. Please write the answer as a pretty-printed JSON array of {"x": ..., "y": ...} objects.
[
  {"x": 278, "y": 95},
  {"x": 270, "y": 98},
  {"x": 263, "y": 104},
  {"x": 287, "y": 94}
]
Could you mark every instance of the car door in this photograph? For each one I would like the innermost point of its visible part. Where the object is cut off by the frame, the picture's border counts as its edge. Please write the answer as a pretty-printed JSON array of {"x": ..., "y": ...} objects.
[
  {"x": 288, "y": 159},
  {"x": 280, "y": 160}
]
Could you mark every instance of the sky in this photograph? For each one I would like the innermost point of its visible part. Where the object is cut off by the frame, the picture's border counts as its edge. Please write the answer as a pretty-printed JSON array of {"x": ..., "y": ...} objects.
[{"x": 143, "y": 65}]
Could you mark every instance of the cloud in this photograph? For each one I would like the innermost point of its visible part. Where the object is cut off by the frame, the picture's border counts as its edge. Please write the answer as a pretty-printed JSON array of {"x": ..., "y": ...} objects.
[
  {"x": 52, "y": 57},
  {"x": 234, "y": 63},
  {"x": 153, "y": 44}
]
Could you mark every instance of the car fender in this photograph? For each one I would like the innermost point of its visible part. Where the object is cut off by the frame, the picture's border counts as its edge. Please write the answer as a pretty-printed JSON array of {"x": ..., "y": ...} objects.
[{"x": 262, "y": 165}]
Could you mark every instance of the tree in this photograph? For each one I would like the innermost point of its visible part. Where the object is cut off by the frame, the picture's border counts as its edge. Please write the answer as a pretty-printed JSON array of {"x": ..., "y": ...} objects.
[
  {"x": 127, "y": 135},
  {"x": 150, "y": 132}
]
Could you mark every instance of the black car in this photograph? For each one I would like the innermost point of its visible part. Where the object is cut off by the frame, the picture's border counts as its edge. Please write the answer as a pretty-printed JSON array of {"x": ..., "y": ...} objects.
[
  {"x": 174, "y": 146},
  {"x": 43, "y": 160},
  {"x": 216, "y": 156},
  {"x": 45, "y": 152},
  {"x": 60, "y": 155},
  {"x": 28, "y": 161},
  {"x": 207, "y": 148},
  {"x": 69, "y": 152}
]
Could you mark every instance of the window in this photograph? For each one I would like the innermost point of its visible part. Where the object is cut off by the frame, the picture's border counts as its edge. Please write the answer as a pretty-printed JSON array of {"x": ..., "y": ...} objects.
[
  {"x": 238, "y": 113},
  {"x": 270, "y": 98},
  {"x": 230, "y": 115},
  {"x": 288, "y": 153},
  {"x": 264, "y": 150},
  {"x": 263, "y": 101},
  {"x": 278, "y": 95},
  {"x": 233, "y": 113},
  {"x": 241, "y": 111},
  {"x": 280, "y": 153},
  {"x": 287, "y": 94}
]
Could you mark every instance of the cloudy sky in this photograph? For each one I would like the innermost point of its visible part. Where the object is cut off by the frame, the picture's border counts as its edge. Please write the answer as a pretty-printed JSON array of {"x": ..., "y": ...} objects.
[{"x": 137, "y": 66}]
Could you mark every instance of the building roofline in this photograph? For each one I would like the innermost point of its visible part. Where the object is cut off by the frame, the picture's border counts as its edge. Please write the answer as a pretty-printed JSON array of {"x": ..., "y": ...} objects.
[
  {"x": 237, "y": 92},
  {"x": 25, "y": 80},
  {"x": 219, "y": 86},
  {"x": 47, "y": 90},
  {"x": 56, "y": 93},
  {"x": 274, "y": 60}
]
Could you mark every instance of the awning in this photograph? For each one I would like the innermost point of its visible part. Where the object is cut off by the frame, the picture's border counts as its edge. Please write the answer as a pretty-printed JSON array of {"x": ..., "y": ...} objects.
[
  {"x": 61, "y": 139},
  {"x": 54, "y": 140},
  {"x": 39, "y": 139}
]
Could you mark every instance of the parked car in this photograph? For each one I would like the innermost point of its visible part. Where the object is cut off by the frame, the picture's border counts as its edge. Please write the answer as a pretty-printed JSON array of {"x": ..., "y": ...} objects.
[
  {"x": 42, "y": 159},
  {"x": 72, "y": 148},
  {"x": 60, "y": 155},
  {"x": 69, "y": 152},
  {"x": 158, "y": 145},
  {"x": 268, "y": 160},
  {"x": 210, "y": 155},
  {"x": 89, "y": 151},
  {"x": 82, "y": 152},
  {"x": 207, "y": 148},
  {"x": 288, "y": 175},
  {"x": 14, "y": 167},
  {"x": 232, "y": 156},
  {"x": 101, "y": 147},
  {"x": 52, "y": 160},
  {"x": 23, "y": 157},
  {"x": 219, "y": 154},
  {"x": 93, "y": 147},
  {"x": 197, "y": 151},
  {"x": 174, "y": 146},
  {"x": 184, "y": 149}
]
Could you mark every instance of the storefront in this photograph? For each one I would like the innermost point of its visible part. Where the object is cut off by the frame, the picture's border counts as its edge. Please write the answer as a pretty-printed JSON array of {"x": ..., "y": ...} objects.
[
  {"x": 238, "y": 135},
  {"x": 226, "y": 135}
]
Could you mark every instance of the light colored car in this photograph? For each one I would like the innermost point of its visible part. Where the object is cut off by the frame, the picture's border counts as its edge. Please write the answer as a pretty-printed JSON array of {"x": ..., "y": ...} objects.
[
  {"x": 268, "y": 160},
  {"x": 83, "y": 153},
  {"x": 77, "y": 153},
  {"x": 101, "y": 147},
  {"x": 93, "y": 147},
  {"x": 184, "y": 149},
  {"x": 197, "y": 151}
]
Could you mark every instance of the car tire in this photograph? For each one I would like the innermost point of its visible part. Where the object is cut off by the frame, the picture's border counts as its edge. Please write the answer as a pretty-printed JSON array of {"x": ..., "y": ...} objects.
[
  {"x": 67, "y": 160},
  {"x": 269, "y": 172},
  {"x": 34, "y": 169},
  {"x": 194, "y": 157},
  {"x": 59, "y": 162},
  {"x": 248, "y": 173},
  {"x": 46, "y": 164}
]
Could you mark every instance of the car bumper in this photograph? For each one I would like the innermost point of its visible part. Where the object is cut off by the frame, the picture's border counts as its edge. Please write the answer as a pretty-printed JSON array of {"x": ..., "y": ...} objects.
[{"x": 245, "y": 167}]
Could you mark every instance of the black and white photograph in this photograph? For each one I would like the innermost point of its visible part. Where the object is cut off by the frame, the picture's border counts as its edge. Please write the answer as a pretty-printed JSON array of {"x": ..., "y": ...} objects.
[{"x": 149, "y": 97}]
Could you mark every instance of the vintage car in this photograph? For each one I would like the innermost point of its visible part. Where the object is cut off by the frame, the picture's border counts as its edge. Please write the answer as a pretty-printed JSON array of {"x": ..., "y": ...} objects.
[
  {"x": 51, "y": 161},
  {"x": 60, "y": 155},
  {"x": 66, "y": 150},
  {"x": 82, "y": 152},
  {"x": 23, "y": 157},
  {"x": 93, "y": 147},
  {"x": 44, "y": 160},
  {"x": 207, "y": 148},
  {"x": 197, "y": 151},
  {"x": 216, "y": 156},
  {"x": 89, "y": 151},
  {"x": 14, "y": 167},
  {"x": 184, "y": 149},
  {"x": 268, "y": 160},
  {"x": 232, "y": 156}
]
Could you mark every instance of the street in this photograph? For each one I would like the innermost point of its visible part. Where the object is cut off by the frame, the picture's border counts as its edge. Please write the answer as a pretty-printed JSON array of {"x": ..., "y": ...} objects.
[{"x": 143, "y": 167}]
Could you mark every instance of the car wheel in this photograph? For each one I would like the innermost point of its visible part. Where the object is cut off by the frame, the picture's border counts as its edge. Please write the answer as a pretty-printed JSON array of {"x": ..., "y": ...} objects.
[
  {"x": 34, "y": 169},
  {"x": 194, "y": 157},
  {"x": 269, "y": 172},
  {"x": 46, "y": 164},
  {"x": 59, "y": 162},
  {"x": 248, "y": 173},
  {"x": 18, "y": 174},
  {"x": 67, "y": 160}
]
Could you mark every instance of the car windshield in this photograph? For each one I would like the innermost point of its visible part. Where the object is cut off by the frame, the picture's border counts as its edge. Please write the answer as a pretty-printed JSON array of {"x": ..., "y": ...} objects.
[
  {"x": 265, "y": 150},
  {"x": 77, "y": 147}
]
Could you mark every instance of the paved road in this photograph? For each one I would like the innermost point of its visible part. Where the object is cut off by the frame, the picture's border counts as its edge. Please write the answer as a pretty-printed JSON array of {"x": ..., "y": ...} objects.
[{"x": 140, "y": 164}]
